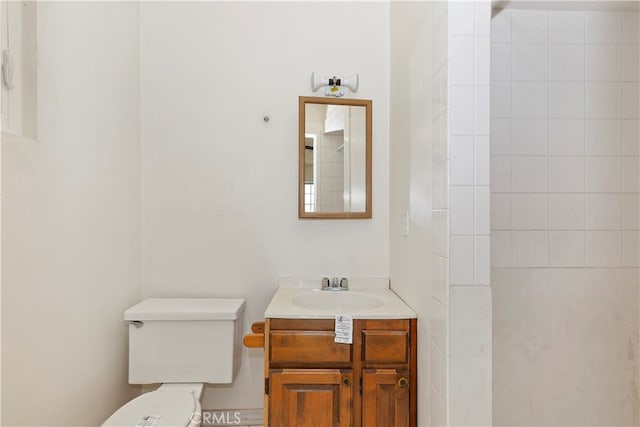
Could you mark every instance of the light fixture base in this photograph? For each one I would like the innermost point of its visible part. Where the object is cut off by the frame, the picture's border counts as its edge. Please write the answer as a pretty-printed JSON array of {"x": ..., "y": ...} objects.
[{"x": 334, "y": 86}]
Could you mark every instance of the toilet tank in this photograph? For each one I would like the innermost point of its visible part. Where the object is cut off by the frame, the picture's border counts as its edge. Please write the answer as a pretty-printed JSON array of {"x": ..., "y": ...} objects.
[{"x": 181, "y": 340}]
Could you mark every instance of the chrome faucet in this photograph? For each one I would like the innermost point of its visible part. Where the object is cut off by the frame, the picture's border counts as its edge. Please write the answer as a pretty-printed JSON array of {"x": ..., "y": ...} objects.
[{"x": 335, "y": 284}]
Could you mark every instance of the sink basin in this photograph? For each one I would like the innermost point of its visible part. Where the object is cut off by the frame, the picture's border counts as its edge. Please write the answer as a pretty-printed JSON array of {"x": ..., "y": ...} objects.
[
  {"x": 336, "y": 301},
  {"x": 366, "y": 299}
]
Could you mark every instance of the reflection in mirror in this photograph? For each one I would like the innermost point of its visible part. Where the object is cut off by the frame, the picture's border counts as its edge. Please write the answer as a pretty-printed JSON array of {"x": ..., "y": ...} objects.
[{"x": 335, "y": 158}]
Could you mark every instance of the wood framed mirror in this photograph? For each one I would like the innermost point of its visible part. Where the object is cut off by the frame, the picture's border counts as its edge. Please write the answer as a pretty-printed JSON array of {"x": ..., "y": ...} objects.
[{"x": 334, "y": 169}]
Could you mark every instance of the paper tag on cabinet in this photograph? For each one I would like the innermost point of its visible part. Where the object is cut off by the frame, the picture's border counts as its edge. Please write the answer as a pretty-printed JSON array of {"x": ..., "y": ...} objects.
[{"x": 344, "y": 329}]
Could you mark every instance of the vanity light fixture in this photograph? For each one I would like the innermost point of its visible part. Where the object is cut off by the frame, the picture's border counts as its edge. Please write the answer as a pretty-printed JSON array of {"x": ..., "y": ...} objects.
[{"x": 334, "y": 86}]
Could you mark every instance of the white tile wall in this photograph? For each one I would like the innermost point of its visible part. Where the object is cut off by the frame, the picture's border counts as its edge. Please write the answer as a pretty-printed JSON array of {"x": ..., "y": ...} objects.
[
  {"x": 461, "y": 260},
  {"x": 561, "y": 342},
  {"x": 566, "y": 249},
  {"x": 530, "y": 26},
  {"x": 471, "y": 98},
  {"x": 501, "y": 211},
  {"x": 603, "y": 137},
  {"x": 461, "y": 210},
  {"x": 566, "y": 62},
  {"x": 630, "y": 212},
  {"x": 530, "y": 248},
  {"x": 530, "y": 211},
  {"x": 566, "y": 174},
  {"x": 530, "y": 137},
  {"x": 482, "y": 161},
  {"x": 500, "y": 61},
  {"x": 565, "y": 216},
  {"x": 566, "y": 27},
  {"x": 630, "y": 101},
  {"x": 566, "y": 100},
  {"x": 530, "y": 99},
  {"x": 461, "y": 112},
  {"x": 500, "y": 99},
  {"x": 501, "y": 136},
  {"x": 482, "y": 105},
  {"x": 446, "y": 172},
  {"x": 603, "y": 248},
  {"x": 603, "y": 27},
  {"x": 603, "y": 62},
  {"x": 603, "y": 100},
  {"x": 462, "y": 160},
  {"x": 566, "y": 211},
  {"x": 630, "y": 137},
  {"x": 530, "y": 174},
  {"x": 461, "y": 60},
  {"x": 530, "y": 61},
  {"x": 501, "y": 174},
  {"x": 501, "y": 249},
  {"x": 481, "y": 210},
  {"x": 501, "y": 27},
  {"x": 565, "y": 138},
  {"x": 630, "y": 248},
  {"x": 603, "y": 211},
  {"x": 630, "y": 178},
  {"x": 470, "y": 356},
  {"x": 482, "y": 262},
  {"x": 630, "y": 70},
  {"x": 603, "y": 174}
]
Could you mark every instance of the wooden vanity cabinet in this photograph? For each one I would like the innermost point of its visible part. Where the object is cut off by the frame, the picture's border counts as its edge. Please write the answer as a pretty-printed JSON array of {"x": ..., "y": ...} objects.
[{"x": 311, "y": 381}]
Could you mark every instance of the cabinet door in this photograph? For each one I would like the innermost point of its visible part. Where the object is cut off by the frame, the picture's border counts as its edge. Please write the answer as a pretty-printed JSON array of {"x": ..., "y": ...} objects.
[
  {"x": 385, "y": 398},
  {"x": 310, "y": 398}
]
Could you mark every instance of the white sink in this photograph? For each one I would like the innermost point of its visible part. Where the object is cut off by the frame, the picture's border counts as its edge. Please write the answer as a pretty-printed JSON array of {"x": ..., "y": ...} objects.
[
  {"x": 366, "y": 299},
  {"x": 336, "y": 301}
]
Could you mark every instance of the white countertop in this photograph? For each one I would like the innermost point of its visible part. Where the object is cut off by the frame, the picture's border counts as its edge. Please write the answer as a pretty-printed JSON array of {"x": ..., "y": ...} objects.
[{"x": 365, "y": 299}]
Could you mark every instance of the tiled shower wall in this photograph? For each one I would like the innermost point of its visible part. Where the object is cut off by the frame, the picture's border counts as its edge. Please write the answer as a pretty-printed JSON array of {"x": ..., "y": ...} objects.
[
  {"x": 440, "y": 255},
  {"x": 564, "y": 216},
  {"x": 461, "y": 306},
  {"x": 330, "y": 195}
]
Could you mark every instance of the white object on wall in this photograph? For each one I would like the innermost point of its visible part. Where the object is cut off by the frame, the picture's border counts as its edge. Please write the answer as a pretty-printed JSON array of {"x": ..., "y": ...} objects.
[{"x": 334, "y": 86}]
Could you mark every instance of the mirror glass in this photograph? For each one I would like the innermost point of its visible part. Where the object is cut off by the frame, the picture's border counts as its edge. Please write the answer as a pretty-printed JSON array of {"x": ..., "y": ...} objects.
[{"x": 334, "y": 158}]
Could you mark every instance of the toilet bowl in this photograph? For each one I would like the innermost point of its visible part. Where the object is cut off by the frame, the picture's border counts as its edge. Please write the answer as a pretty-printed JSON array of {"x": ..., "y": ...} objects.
[
  {"x": 180, "y": 343},
  {"x": 175, "y": 405}
]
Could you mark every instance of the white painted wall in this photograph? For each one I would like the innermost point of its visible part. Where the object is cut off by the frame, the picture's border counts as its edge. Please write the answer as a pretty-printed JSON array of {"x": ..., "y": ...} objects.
[
  {"x": 71, "y": 241},
  {"x": 410, "y": 178},
  {"x": 220, "y": 184}
]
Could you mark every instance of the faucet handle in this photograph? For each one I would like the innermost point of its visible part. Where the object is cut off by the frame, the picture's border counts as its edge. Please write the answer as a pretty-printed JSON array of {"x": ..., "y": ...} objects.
[
  {"x": 344, "y": 283},
  {"x": 325, "y": 282}
]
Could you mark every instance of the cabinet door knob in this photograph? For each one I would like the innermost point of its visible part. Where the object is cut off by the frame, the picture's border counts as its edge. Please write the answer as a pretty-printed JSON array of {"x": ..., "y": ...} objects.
[
  {"x": 403, "y": 382},
  {"x": 346, "y": 381}
]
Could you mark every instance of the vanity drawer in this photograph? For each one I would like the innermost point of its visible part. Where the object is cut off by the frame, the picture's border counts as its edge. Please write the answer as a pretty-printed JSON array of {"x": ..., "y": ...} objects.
[
  {"x": 385, "y": 346},
  {"x": 304, "y": 347}
]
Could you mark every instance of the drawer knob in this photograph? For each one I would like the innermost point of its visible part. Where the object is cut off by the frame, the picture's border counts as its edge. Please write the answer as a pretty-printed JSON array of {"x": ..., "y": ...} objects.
[
  {"x": 403, "y": 382},
  {"x": 346, "y": 381}
]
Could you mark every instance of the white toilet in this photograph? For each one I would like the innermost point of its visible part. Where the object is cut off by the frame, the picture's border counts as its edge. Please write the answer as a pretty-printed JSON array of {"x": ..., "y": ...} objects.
[{"x": 181, "y": 343}]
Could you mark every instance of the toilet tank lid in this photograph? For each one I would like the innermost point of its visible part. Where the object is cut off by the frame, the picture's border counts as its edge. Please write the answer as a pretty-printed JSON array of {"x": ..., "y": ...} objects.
[{"x": 186, "y": 309}]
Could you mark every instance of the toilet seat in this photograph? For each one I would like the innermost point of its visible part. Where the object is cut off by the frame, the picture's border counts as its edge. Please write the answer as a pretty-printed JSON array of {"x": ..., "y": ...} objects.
[{"x": 175, "y": 408}]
